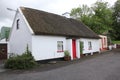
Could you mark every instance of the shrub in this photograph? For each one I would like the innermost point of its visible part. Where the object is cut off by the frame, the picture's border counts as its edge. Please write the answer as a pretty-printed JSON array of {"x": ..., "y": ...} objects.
[
  {"x": 67, "y": 56},
  {"x": 66, "y": 53},
  {"x": 24, "y": 61}
]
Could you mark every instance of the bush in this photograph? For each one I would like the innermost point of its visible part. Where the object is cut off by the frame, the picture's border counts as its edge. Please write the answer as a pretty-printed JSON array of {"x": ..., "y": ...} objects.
[
  {"x": 66, "y": 53},
  {"x": 24, "y": 61}
]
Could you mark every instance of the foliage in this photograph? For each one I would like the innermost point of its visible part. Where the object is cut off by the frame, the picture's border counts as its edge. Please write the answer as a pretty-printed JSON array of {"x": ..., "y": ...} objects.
[
  {"x": 66, "y": 53},
  {"x": 81, "y": 47},
  {"x": 102, "y": 17},
  {"x": 4, "y": 33},
  {"x": 98, "y": 17},
  {"x": 67, "y": 56},
  {"x": 116, "y": 42},
  {"x": 115, "y": 33},
  {"x": 24, "y": 61},
  {"x": 81, "y": 12}
]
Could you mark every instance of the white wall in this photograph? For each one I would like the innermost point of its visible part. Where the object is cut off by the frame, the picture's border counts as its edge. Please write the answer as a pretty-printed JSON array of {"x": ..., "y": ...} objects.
[
  {"x": 19, "y": 39},
  {"x": 95, "y": 45},
  {"x": 77, "y": 48},
  {"x": 45, "y": 47},
  {"x": 69, "y": 47}
]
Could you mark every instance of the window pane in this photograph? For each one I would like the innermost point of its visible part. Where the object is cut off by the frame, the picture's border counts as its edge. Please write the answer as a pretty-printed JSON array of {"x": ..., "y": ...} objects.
[
  {"x": 59, "y": 45},
  {"x": 89, "y": 45},
  {"x": 17, "y": 23}
]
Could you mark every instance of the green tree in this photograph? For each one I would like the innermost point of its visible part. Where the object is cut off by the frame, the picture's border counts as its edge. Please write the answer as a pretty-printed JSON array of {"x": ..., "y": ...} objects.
[
  {"x": 82, "y": 13},
  {"x": 115, "y": 32},
  {"x": 102, "y": 18},
  {"x": 98, "y": 17}
]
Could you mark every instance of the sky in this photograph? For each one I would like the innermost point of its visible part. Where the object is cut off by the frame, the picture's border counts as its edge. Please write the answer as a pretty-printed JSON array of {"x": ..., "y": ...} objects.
[{"x": 53, "y": 6}]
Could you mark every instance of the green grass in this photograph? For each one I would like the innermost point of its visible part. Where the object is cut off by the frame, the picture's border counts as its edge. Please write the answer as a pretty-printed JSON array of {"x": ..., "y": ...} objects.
[{"x": 116, "y": 42}]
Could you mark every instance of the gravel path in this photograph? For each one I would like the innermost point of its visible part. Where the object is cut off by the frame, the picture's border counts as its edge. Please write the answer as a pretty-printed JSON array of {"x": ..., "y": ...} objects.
[{"x": 103, "y": 67}]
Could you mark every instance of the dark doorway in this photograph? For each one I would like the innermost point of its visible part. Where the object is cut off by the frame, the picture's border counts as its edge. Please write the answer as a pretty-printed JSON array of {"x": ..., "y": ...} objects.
[{"x": 3, "y": 51}]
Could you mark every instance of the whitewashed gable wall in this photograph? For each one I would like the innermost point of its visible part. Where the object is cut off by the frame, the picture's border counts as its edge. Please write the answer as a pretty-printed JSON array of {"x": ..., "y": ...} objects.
[{"x": 19, "y": 38}]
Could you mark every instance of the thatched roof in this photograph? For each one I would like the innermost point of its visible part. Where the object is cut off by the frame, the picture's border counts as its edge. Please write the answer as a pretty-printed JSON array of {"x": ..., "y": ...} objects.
[{"x": 44, "y": 23}]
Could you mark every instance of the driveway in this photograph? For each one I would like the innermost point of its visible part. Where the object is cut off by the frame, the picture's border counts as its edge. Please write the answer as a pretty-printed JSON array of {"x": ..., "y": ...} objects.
[
  {"x": 105, "y": 66},
  {"x": 2, "y": 66}
]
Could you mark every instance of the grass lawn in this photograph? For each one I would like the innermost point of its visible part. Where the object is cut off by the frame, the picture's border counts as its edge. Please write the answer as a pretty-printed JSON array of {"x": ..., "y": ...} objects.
[{"x": 116, "y": 42}]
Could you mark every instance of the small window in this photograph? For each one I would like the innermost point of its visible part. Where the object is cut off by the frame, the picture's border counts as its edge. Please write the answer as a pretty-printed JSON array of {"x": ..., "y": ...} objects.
[
  {"x": 17, "y": 24},
  {"x": 59, "y": 46},
  {"x": 89, "y": 45}
]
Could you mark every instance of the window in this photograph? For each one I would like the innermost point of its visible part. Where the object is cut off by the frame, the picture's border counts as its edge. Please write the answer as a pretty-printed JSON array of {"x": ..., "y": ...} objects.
[
  {"x": 59, "y": 46},
  {"x": 89, "y": 45},
  {"x": 17, "y": 24}
]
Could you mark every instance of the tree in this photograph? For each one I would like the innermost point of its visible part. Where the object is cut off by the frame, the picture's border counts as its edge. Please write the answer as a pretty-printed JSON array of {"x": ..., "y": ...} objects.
[
  {"x": 102, "y": 17},
  {"x": 98, "y": 17},
  {"x": 115, "y": 32},
  {"x": 5, "y": 32},
  {"x": 82, "y": 13}
]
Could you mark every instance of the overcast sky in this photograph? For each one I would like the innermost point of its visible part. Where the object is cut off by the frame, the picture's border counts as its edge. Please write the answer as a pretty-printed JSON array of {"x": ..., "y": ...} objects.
[{"x": 53, "y": 6}]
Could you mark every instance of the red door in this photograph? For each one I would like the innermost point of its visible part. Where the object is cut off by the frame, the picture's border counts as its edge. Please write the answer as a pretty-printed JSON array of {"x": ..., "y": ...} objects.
[{"x": 74, "y": 48}]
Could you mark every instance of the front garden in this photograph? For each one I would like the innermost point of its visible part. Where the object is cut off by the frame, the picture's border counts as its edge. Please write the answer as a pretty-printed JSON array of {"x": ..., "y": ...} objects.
[{"x": 24, "y": 61}]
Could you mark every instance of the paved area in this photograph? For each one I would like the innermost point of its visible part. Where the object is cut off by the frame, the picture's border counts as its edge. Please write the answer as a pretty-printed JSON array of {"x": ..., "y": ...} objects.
[
  {"x": 2, "y": 66},
  {"x": 101, "y": 67}
]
